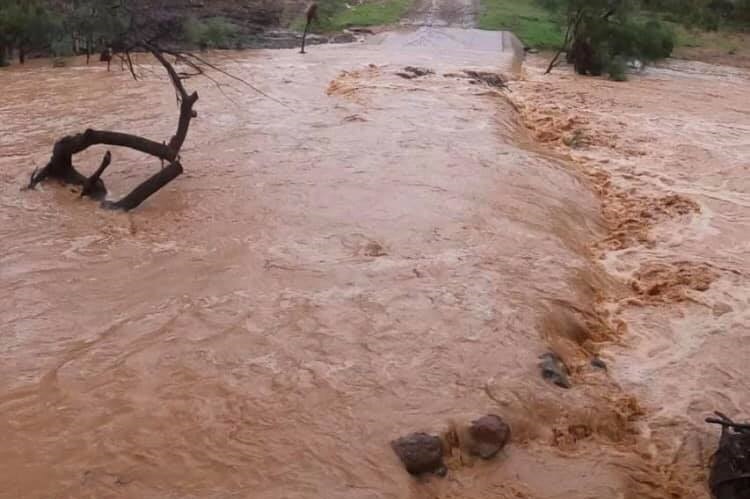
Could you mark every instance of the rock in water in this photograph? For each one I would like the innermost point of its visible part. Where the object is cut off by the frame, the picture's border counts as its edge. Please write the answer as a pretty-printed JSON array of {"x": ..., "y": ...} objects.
[
  {"x": 598, "y": 363},
  {"x": 490, "y": 434},
  {"x": 554, "y": 369},
  {"x": 420, "y": 453},
  {"x": 730, "y": 465}
]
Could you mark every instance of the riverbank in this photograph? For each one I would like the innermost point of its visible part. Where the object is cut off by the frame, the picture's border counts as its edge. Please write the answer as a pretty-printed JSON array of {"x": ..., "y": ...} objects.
[{"x": 666, "y": 155}]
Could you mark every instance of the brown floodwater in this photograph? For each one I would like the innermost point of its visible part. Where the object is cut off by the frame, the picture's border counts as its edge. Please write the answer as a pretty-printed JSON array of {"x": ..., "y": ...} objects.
[
  {"x": 353, "y": 258},
  {"x": 667, "y": 152}
]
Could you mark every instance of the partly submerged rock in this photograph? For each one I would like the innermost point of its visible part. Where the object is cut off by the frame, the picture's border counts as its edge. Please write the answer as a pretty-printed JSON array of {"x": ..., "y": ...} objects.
[
  {"x": 411, "y": 72},
  {"x": 490, "y": 434},
  {"x": 598, "y": 363},
  {"x": 491, "y": 79},
  {"x": 554, "y": 369},
  {"x": 343, "y": 38},
  {"x": 420, "y": 453},
  {"x": 730, "y": 465}
]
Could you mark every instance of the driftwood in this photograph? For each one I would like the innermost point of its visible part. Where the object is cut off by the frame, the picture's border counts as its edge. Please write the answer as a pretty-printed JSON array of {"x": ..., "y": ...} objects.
[
  {"x": 60, "y": 166},
  {"x": 730, "y": 465}
]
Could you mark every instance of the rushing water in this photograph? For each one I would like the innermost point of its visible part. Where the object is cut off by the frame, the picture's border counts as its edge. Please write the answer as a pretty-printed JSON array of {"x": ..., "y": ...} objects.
[
  {"x": 667, "y": 152},
  {"x": 353, "y": 258}
]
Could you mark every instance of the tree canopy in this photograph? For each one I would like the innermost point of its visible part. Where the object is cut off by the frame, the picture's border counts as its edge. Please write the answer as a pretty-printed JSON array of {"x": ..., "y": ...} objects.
[
  {"x": 63, "y": 27},
  {"x": 602, "y": 36}
]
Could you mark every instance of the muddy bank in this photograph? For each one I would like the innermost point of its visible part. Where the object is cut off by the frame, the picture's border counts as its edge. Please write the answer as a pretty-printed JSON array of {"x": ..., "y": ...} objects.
[{"x": 666, "y": 153}]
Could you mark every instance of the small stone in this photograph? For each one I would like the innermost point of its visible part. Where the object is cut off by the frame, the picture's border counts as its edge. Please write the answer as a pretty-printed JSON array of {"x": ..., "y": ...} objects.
[
  {"x": 554, "y": 369},
  {"x": 420, "y": 453},
  {"x": 361, "y": 30},
  {"x": 343, "y": 38},
  {"x": 490, "y": 434},
  {"x": 374, "y": 249},
  {"x": 598, "y": 363}
]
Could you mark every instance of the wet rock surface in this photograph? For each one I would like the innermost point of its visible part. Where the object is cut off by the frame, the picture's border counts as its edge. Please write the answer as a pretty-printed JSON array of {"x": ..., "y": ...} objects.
[
  {"x": 598, "y": 363},
  {"x": 730, "y": 466},
  {"x": 420, "y": 453},
  {"x": 554, "y": 370},
  {"x": 411, "y": 72},
  {"x": 488, "y": 78},
  {"x": 490, "y": 434}
]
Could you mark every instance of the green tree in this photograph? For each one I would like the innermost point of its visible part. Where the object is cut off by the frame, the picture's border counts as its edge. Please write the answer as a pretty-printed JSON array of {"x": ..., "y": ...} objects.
[
  {"x": 94, "y": 24},
  {"x": 26, "y": 25},
  {"x": 601, "y": 35}
]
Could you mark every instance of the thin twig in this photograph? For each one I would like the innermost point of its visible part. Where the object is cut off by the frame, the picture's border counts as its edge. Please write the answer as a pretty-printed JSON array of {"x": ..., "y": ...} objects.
[{"x": 230, "y": 75}]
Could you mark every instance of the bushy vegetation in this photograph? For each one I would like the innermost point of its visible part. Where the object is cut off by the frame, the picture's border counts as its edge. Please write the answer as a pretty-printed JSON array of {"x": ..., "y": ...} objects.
[
  {"x": 212, "y": 32},
  {"x": 26, "y": 26},
  {"x": 60, "y": 28},
  {"x": 703, "y": 14},
  {"x": 604, "y": 35}
]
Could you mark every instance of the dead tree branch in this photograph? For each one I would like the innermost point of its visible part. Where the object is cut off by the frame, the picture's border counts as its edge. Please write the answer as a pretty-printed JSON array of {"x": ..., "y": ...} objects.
[
  {"x": 94, "y": 187},
  {"x": 60, "y": 166}
]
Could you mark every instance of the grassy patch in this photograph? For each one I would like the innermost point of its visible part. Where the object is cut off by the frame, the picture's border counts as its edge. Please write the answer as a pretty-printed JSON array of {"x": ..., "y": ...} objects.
[
  {"x": 537, "y": 27},
  {"x": 722, "y": 40},
  {"x": 534, "y": 25},
  {"x": 334, "y": 15}
]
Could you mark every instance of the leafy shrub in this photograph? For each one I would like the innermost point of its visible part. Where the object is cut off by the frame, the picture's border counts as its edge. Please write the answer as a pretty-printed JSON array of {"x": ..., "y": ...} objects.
[
  {"x": 656, "y": 41},
  {"x": 212, "y": 32},
  {"x": 616, "y": 69}
]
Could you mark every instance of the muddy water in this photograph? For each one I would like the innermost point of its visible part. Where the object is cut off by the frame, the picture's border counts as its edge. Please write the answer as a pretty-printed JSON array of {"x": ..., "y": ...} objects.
[
  {"x": 667, "y": 152},
  {"x": 357, "y": 257}
]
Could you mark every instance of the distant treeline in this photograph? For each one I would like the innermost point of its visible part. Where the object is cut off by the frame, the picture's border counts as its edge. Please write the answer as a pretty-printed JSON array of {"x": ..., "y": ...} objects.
[{"x": 61, "y": 28}]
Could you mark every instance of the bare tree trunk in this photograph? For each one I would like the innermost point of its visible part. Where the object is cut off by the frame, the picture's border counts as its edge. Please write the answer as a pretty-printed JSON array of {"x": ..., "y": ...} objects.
[
  {"x": 60, "y": 165},
  {"x": 21, "y": 55},
  {"x": 570, "y": 32},
  {"x": 311, "y": 15}
]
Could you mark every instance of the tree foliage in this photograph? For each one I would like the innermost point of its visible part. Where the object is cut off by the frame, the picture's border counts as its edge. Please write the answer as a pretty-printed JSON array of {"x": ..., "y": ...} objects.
[
  {"x": 26, "y": 25},
  {"x": 603, "y": 35},
  {"x": 96, "y": 23},
  {"x": 63, "y": 27},
  {"x": 212, "y": 32}
]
